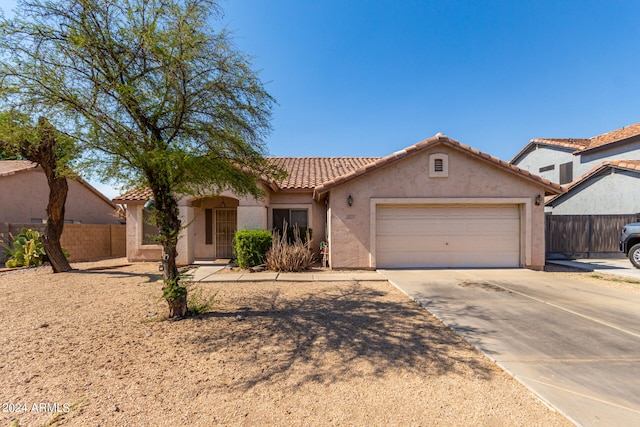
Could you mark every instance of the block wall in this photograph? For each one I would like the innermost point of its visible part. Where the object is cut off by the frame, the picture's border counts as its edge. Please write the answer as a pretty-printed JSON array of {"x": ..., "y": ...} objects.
[{"x": 83, "y": 241}]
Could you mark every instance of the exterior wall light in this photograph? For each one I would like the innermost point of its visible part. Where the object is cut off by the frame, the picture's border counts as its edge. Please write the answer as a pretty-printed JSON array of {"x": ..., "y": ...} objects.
[
  {"x": 350, "y": 200},
  {"x": 538, "y": 199},
  {"x": 150, "y": 204}
]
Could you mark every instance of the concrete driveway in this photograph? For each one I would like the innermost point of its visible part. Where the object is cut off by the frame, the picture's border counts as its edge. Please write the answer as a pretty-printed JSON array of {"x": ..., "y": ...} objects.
[{"x": 577, "y": 346}]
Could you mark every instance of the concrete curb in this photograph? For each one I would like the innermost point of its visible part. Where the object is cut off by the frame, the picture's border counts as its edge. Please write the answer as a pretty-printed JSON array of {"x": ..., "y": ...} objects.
[{"x": 207, "y": 274}]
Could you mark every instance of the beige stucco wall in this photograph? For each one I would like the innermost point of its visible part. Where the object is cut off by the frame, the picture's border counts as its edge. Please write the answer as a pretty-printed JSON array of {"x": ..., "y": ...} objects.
[
  {"x": 24, "y": 195},
  {"x": 136, "y": 251},
  {"x": 469, "y": 179},
  {"x": 252, "y": 214},
  {"x": 252, "y": 217}
]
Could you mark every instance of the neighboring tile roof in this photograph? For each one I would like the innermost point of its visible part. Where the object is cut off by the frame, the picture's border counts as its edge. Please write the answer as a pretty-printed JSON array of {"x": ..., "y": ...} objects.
[
  {"x": 625, "y": 164},
  {"x": 614, "y": 136},
  {"x": 631, "y": 165},
  {"x": 551, "y": 187},
  {"x": 9, "y": 167},
  {"x": 577, "y": 144},
  {"x": 582, "y": 145}
]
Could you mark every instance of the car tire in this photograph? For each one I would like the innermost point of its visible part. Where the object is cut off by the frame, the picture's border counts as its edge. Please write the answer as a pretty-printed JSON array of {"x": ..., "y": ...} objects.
[{"x": 634, "y": 255}]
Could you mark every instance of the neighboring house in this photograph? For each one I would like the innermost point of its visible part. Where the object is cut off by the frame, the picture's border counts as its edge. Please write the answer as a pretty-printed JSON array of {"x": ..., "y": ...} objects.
[
  {"x": 24, "y": 195},
  {"x": 600, "y": 173},
  {"x": 438, "y": 203},
  {"x": 609, "y": 188}
]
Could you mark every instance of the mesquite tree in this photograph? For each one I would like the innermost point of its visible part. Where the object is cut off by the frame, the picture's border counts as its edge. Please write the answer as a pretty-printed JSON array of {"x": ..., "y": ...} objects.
[
  {"x": 53, "y": 152},
  {"x": 155, "y": 94}
]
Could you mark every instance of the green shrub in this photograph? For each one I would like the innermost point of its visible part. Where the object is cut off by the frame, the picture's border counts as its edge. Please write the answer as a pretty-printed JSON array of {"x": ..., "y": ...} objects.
[
  {"x": 198, "y": 303},
  {"x": 251, "y": 247},
  {"x": 287, "y": 256},
  {"x": 26, "y": 250}
]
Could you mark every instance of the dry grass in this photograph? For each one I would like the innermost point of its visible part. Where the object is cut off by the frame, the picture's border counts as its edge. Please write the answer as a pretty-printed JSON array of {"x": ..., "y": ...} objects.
[{"x": 342, "y": 353}]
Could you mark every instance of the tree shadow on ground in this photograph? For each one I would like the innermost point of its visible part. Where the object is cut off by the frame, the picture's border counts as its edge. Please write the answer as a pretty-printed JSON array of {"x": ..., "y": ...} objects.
[
  {"x": 343, "y": 331},
  {"x": 120, "y": 274}
]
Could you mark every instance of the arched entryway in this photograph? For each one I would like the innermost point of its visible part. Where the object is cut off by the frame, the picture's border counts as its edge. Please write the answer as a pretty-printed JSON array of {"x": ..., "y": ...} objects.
[{"x": 215, "y": 225}]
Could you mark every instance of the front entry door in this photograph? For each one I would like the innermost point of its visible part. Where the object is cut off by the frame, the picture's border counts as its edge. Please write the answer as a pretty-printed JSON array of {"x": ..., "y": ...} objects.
[{"x": 226, "y": 223}]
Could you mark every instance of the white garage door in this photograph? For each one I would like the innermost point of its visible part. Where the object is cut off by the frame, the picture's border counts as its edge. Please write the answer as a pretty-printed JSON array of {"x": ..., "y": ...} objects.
[{"x": 448, "y": 236}]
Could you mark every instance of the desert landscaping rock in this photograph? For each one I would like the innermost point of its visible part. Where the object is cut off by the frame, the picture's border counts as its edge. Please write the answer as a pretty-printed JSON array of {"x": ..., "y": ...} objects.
[{"x": 306, "y": 353}]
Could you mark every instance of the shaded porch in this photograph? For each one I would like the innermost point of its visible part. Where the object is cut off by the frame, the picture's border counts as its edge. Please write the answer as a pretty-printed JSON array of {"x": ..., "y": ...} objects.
[{"x": 214, "y": 227}]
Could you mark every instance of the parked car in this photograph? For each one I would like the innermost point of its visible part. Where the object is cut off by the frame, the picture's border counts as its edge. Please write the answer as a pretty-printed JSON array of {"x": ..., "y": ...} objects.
[{"x": 630, "y": 242}]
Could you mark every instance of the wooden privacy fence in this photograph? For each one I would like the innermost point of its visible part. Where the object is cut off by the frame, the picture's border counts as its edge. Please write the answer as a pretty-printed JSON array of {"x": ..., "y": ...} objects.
[
  {"x": 585, "y": 236},
  {"x": 84, "y": 242}
]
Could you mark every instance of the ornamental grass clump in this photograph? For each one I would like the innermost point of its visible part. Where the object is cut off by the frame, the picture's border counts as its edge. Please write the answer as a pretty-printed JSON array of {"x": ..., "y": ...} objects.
[{"x": 290, "y": 256}]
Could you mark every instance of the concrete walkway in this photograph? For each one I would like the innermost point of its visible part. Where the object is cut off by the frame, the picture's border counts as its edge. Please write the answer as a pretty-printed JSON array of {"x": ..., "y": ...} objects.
[
  {"x": 212, "y": 273},
  {"x": 617, "y": 266},
  {"x": 576, "y": 345}
]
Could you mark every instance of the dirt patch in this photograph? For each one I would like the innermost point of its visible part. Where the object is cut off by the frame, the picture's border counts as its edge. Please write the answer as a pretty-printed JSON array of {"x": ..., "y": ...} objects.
[
  {"x": 94, "y": 346},
  {"x": 608, "y": 280}
]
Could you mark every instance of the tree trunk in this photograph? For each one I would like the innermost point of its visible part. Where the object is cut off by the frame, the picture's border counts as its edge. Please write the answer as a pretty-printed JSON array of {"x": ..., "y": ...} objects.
[
  {"x": 177, "y": 307},
  {"x": 58, "y": 189},
  {"x": 168, "y": 221},
  {"x": 45, "y": 156}
]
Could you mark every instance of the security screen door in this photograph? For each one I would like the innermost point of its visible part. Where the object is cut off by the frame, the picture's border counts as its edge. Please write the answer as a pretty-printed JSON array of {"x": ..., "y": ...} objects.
[{"x": 226, "y": 223}]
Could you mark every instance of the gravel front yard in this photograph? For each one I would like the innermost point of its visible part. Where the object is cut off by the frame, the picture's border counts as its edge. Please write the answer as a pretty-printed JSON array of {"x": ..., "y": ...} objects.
[{"x": 94, "y": 348}]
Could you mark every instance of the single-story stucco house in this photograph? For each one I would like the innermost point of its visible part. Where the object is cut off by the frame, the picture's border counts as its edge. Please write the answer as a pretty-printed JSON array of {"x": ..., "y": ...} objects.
[
  {"x": 24, "y": 194},
  {"x": 438, "y": 203}
]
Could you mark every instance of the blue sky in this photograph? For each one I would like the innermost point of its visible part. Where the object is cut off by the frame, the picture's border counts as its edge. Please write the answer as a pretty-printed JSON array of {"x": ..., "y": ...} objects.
[{"x": 367, "y": 78}]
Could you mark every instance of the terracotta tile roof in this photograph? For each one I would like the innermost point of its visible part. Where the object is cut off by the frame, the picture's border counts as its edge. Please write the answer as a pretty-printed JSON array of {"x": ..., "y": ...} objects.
[
  {"x": 137, "y": 194},
  {"x": 625, "y": 164},
  {"x": 310, "y": 172},
  {"x": 577, "y": 144},
  {"x": 322, "y": 173},
  {"x": 551, "y": 187},
  {"x": 9, "y": 167},
  {"x": 581, "y": 145},
  {"x": 615, "y": 136},
  {"x": 632, "y": 165},
  {"x": 304, "y": 173}
]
